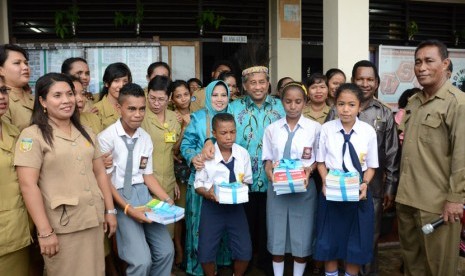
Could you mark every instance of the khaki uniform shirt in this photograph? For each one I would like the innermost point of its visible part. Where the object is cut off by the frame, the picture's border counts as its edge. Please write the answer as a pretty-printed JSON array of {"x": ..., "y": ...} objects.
[
  {"x": 88, "y": 106},
  {"x": 198, "y": 100},
  {"x": 106, "y": 112},
  {"x": 320, "y": 118},
  {"x": 433, "y": 152},
  {"x": 163, "y": 164},
  {"x": 92, "y": 121},
  {"x": 20, "y": 108},
  {"x": 72, "y": 198},
  {"x": 14, "y": 222}
]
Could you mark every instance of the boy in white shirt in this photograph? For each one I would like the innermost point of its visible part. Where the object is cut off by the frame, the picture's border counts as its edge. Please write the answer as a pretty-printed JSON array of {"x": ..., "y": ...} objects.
[
  {"x": 230, "y": 164},
  {"x": 144, "y": 245}
]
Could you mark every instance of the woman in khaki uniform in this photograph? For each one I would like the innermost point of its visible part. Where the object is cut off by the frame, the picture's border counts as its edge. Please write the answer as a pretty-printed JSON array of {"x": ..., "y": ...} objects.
[
  {"x": 78, "y": 68},
  {"x": 88, "y": 119},
  {"x": 116, "y": 76},
  {"x": 317, "y": 92},
  {"x": 16, "y": 237},
  {"x": 14, "y": 69},
  {"x": 164, "y": 129},
  {"x": 65, "y": 195}
]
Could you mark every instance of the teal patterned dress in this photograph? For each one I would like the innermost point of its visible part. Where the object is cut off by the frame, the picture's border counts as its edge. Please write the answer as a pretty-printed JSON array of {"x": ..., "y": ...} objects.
[{"x": 191, "y": 145}]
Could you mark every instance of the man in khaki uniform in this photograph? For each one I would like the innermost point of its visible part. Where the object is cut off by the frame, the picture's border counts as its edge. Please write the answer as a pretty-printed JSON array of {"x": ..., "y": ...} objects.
[
  {"x": 198, "y": 97},
  {"x": 432, "y": 179}
]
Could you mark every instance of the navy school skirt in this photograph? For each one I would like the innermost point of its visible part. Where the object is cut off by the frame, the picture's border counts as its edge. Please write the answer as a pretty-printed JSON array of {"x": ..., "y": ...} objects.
[{"x": 344, "y": 230}]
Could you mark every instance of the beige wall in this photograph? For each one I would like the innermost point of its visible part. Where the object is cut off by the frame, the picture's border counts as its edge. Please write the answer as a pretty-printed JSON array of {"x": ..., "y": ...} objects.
[
  {"x": 3, "y": 22},
  {"x": 285, "y": 42},
  {"x": 345, "y": 33}
]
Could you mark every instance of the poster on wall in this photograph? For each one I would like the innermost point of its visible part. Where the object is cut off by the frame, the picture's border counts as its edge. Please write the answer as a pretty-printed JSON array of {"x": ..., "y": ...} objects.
[
  {"x": 395, "y": 66},
  {"x": 48, "y": 57}
]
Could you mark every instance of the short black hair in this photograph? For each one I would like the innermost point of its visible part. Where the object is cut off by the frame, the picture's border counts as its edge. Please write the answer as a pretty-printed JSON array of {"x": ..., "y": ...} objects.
[
  {"x": 450, "y": 67},
  {"x": 160, "y": 83},
  {"x": 442, "y": 48},
  {"x": 315, "y": 78},
  {"x": 352, "y": 87},
  {"x": 154, "y": 65},
  {"x": 226, "y": 74},
  {"x": 114, "y": 71},
  {"x": 279, "y": 85},
  {"x": 68, "y": 63},
  {"x": 5, "y": 49},
  {"x": 222, "y": 117},
  {"x": 403, "y": 99},
  {"x": 130, "y": 89},
  {"x": 196, "y": 80},
  {"x": 218, "y": 63},
  {"x": 365, "y": 63},
  {"x": 333, "y": 72}
]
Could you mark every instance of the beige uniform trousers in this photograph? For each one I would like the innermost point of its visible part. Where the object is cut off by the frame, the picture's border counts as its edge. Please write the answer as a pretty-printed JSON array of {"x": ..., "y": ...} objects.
[{"x": 433, "y": 254}]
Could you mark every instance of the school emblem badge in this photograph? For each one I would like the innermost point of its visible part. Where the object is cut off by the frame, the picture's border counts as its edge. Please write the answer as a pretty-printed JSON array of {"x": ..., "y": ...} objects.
[{"x": 25, "y": 145}]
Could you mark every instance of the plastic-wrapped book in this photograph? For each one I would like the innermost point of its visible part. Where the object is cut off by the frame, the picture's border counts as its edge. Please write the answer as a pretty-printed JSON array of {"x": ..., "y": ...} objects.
[
  {"x": 231, "y": 193},
  {"x": 162, "y": 212},
  {"x": 289, "y": 177},
  {"x": 342, "y": 186}
]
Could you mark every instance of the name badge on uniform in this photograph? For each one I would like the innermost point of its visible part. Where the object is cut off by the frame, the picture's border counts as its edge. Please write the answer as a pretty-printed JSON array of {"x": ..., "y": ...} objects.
[
  {"x": 307, "y": 153},
  {"x": 362, "y": 158},
  {"x": 170, "y": 137},
  {"x": 143, "y": 162}
]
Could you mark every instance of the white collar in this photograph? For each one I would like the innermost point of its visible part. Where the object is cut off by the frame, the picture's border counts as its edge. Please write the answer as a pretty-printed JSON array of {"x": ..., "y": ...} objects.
[
  {"x": 356, "y": 127},
  {"x": 121, "y": 132},
  {"x": 219, "y": 156}
]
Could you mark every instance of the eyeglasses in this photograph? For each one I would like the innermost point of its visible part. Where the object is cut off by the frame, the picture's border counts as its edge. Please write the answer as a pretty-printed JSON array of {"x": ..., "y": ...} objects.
[{"x": 4, "y": 90}]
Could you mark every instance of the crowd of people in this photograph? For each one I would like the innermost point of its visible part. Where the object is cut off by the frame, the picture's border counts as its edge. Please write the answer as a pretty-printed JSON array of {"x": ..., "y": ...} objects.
[{"x": 77, "y": 166}]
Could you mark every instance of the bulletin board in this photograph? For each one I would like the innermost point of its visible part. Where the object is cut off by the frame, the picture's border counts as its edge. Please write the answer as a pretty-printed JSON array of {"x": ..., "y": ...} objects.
[
  {"x": 290, "y": 19},
  {"x": 48, "y": 57}
]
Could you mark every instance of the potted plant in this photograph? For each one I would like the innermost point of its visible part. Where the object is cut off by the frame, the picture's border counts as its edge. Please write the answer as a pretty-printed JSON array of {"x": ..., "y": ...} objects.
[
  {"x": 208, "y": 18},
  {"x": 412, "y": 29},
  {"x": 66, "y": 19},
  {"x": 123, "y": 19}
]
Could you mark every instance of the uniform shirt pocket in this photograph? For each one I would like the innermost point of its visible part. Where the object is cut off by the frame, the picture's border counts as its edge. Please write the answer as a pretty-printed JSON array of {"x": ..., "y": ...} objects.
[
  {"x": 62, "y": 210},
  {"x": 430, "y": 129}
]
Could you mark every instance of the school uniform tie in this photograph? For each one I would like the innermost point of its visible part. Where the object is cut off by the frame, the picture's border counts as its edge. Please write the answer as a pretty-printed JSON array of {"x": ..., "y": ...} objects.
[
  {"x": 287, "y": 147},
  {"x": 127, "y": 186},
  {"x": 230, "y": 166},
  {"x": 352, "y": 153}
]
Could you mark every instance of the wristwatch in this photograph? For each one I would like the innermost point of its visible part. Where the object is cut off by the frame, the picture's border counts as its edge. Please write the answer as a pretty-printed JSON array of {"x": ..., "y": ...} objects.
[{"x": 112, "y": 212}]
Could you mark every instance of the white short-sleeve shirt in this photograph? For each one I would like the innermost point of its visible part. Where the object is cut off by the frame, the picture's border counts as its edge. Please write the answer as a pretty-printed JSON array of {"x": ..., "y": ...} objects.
[
  {"x": 303, "y": 145},
  {"x": 215, "y": 172},
  {"x": 331, "y": 141},
  {"x": 110, "y": 140}
]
